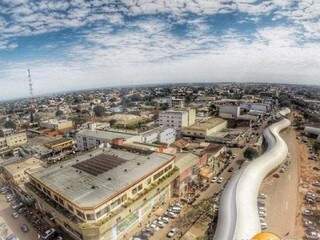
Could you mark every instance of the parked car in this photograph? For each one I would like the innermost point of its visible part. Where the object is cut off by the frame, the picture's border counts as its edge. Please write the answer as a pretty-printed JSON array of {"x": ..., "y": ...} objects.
[
  {"x": 214, "y": 179},
  {"x": 172, "y": 232},
  {"x": 24, "y": 228},
  {"x": 15, "y": 215},
  {"x": 48, "y": 234}
]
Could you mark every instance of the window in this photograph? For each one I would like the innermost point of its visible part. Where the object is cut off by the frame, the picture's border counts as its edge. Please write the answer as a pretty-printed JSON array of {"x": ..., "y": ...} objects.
[
  {"x": 124, "y": 198},
  {"x": 115, "y": 203},
  {"x": 157, "y": 175},
  {"x": 61, "y": 201},
  {"x": 149, "y": 181},
  {"x": 90, "y": 216},
  {"x": 140, "y": 187},
  {"x": 70, "y": 208},
  {"x": 134, "y": 191},
  {"x": 80, "y": 214}
]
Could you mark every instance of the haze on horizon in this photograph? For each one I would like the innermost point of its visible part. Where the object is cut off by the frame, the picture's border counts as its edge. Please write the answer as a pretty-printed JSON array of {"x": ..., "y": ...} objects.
[{"x": 78, "y": 44}]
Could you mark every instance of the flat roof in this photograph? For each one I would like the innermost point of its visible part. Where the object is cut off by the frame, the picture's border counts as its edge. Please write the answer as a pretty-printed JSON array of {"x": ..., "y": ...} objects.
[
  {"x": 18, "y": 167},
  {"x": 57, "y": 141},
  {"x": 207, "y": 124},
  {"x": 87, "y": 190},
  {"x": 108, "y": 135}
]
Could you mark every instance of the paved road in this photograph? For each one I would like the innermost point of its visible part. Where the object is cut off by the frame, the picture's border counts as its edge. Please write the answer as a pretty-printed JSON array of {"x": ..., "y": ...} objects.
[
  {"x": 282, "y": 200},
  {"x": 14, "y": 224}
]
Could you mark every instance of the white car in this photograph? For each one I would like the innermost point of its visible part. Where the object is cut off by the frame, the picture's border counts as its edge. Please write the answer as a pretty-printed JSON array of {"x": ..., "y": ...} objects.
[
  {"x": 172, "y": 232},
  {"x": 220, "y": 179},
  {"x": 214, "y": 179}
]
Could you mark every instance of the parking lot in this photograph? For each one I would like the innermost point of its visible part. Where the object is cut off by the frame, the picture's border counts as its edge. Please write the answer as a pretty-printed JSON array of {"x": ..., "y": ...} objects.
[
  {"x": 15, "y": 223},
  {"x": 25, "y": 222}
]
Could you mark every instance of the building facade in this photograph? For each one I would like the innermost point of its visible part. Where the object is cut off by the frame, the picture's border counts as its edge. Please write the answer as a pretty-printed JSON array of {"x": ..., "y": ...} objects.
[
  {"x": 16, "y": 140},
  {"x": 88, "y": 139},
  {"x": 205, "y": 128},
  {"x": 92, "y": 204},
  {"x": 177, "y": 119},
  {"x": 57, "y": 124},
  {"x": 229, "y": 111}
]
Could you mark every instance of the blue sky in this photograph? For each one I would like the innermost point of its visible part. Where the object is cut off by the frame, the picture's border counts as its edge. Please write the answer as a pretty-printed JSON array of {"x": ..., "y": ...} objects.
[{"x": 84, "y": 44}]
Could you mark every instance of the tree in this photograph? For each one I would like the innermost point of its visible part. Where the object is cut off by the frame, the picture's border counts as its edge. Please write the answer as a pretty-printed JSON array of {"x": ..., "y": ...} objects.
[
  {"x": 164, "y": 106},
  {"x": 99, "y": 111},
  {"x": 213, "y": 109},
  {"x": 59, "y": 113},
  {"x": 250, "y": 153},
  {"x": 10, "y": 124},
  {"x": 112, "y": 122},
  {"x": 316, "y": 146}
]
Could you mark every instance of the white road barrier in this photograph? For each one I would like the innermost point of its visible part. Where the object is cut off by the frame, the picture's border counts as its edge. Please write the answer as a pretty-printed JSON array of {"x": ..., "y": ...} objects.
[{"x": 238, "y": 214}]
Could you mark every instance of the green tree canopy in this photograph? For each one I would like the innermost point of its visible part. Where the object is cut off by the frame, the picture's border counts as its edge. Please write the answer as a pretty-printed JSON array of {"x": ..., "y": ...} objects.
[
  {"x": 250, "y": 153},
  {"x": 99, "y": 110}
]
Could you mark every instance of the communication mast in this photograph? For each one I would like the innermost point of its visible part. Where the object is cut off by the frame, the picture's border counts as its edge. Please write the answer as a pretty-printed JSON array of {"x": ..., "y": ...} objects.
[{"x": 32, "y": 107}]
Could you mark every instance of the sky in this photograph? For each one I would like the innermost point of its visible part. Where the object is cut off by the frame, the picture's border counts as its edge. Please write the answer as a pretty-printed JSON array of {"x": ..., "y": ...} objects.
[{"x": 79, "y": 44}]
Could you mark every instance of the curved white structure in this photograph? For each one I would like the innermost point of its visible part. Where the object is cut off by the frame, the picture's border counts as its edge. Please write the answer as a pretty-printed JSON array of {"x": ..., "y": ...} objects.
[{"x": 238, "y": 215}]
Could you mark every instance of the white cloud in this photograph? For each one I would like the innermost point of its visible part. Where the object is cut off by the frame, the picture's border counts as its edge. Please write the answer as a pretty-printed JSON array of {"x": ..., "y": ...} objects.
[{"x": 145, "y": 50}]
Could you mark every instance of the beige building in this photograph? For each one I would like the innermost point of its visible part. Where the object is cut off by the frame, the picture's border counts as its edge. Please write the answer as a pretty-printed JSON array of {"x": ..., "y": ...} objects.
[
  {"x": 57, "y": 124},
  {"x": 205, "y": 128},
  {"x": 103, "y": 194},
  {"x": 16, "y": 140},
  {"x": 15, "y": 172}
]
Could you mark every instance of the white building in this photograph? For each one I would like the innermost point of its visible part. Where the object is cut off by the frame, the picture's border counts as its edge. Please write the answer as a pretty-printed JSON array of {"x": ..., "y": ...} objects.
[
  {"x": 167, "y": 136},
  {"x": 229, "y": 111},
  {"x": 177, "y": 119},
  {"x": 88, "y": 139}
]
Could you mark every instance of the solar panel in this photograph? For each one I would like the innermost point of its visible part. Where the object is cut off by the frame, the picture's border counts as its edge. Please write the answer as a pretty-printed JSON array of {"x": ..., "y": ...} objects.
[{"x": 99, "y": 164}]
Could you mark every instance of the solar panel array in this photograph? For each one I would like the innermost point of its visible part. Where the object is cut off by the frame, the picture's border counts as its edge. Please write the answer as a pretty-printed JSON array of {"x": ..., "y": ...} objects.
[{"x": 99, "y": 164}]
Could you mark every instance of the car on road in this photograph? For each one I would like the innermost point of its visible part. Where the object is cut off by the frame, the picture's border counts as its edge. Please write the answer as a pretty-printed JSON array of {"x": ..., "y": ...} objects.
[
  {"x": 164, "y": 219},
  {"x": 307, "y": 212},
  {"x": 264, "y": 226},
  {"x": 154, "y": 226},
  {"x": 313, "y": 235},
  {"x": 262, "y": 196},
  {"x": 214, "y": 179},
  {"x": 24, "y": 228},
  {"x": 15, "y": 215},
  {"x": 48, "y": 234},
  {"x": 16, "y": 206},
  {"x": 220, "y": 180},
  {"x": 172, "y": 232}
]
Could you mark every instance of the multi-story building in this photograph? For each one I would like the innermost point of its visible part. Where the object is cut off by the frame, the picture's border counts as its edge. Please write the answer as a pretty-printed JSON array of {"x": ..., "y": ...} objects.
[
  {"x": 14, "y": 173},
  {"x": 60, "y": 144},
  {"x": 105, "y": 193},
  {"x": 88, "y": 139},
  {"x": 229, "y": 111},
  {"x": 205, "y": 128},
  {"x": 167, "y": 136},
  {"x": 56, "y": 124},
  {"x": 177, "y": 119},
  {"x": 3, "y": 146},
  {"x": 16, "y": 140}
]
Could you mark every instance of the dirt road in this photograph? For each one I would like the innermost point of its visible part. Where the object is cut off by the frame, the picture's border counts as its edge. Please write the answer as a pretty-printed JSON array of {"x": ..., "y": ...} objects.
[{"x": 282, "y": 203}]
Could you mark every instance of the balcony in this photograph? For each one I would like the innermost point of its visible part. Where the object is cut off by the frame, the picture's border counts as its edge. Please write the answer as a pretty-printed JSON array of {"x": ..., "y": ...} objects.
[{"x": 64, "y": 212}]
